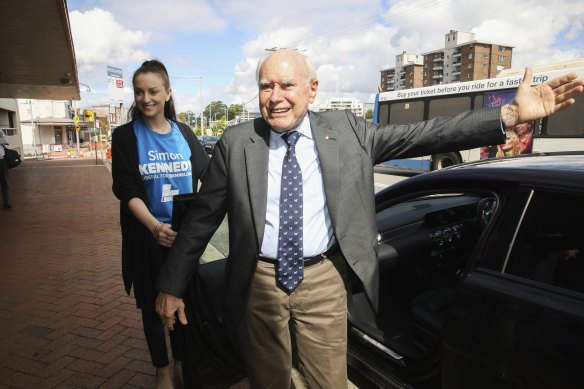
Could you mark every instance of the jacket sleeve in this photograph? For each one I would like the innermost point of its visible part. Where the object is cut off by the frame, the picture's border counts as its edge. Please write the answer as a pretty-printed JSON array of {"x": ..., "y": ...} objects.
[
  {"x": 201, "y": 220},
  {"x": 126, "y": 177},
  {"x": 439, "y": 135}
]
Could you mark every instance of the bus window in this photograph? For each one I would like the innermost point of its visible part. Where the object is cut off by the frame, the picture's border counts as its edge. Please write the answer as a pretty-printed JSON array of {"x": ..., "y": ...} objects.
[
  {"x": 567, "y": 123},
  {"x": 405, "y": 113},
  {"x": 383, "y": 115},
  {"x": 478, "y": 102},
  {"x": 448, "y": 106}
]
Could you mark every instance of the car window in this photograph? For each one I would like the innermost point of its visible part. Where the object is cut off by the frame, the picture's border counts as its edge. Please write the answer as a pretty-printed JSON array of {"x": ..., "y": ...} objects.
[
  {"x": 435, "y": 232},
  {"x": 548, "y": 245}
]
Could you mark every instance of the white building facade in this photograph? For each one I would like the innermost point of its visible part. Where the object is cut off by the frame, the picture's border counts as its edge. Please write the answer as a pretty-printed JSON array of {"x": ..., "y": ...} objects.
[
  {"x": 46, "y": 126},
  {"x": 336, "y": 104}
]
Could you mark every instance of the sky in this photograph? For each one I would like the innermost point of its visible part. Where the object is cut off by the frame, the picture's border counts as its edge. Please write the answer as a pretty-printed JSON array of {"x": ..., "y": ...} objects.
[{"x": 211, "y": 47}]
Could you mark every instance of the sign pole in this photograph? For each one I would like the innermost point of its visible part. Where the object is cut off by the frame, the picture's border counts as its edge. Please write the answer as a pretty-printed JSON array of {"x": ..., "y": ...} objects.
[
  {"x": 77, "y": 128},
  {"x": 95, "y": 138}
]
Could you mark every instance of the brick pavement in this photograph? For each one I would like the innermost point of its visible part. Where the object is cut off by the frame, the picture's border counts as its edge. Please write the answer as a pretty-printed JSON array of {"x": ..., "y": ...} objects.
[{"x": 65, "y": 319}]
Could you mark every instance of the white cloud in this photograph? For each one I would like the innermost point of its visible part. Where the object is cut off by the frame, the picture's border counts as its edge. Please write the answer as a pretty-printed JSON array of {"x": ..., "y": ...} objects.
[
  {"x": 348, "y": 41},
  {"x": 348, "y": 54},
  {"x": 165, "y": 18},
  {"x": 100, "y": 40}
]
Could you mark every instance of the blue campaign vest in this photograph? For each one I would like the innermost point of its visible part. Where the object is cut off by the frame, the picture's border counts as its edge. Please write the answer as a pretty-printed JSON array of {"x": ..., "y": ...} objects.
[{"x": 165, "y": 167}]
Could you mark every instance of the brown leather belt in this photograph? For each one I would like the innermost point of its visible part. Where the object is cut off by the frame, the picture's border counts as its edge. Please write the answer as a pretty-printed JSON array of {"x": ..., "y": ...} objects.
[{"x": 309, "y": 261}]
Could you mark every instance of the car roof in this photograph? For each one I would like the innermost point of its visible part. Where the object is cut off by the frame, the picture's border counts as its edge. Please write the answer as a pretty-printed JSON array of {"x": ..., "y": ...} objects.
[
  {"x": 559, "y": 171},
  {"x": 541, "y": 162}
]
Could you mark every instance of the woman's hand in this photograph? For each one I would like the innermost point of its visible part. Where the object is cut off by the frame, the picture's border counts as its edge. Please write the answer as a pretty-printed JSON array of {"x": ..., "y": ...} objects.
[{"x": 164, "y": 234}]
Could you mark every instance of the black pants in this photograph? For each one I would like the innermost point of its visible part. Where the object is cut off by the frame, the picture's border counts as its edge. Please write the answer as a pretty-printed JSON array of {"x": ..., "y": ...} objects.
[
  {"x": 4, "y": 180},
  {"x": 156, "y": 339}
]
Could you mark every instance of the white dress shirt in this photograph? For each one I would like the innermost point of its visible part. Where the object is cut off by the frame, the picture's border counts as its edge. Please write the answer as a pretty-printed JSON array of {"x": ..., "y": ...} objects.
[{"x": 318, "y": 231}]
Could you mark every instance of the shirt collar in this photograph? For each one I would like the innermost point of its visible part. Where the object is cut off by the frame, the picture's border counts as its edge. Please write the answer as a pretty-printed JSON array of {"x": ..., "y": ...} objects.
[{"x": 303, "y": 128}]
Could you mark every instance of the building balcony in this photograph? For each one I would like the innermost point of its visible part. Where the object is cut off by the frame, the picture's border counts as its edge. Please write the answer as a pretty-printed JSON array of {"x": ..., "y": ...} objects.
[
  {"x": 438, "y": 67},
  {"x": 437, "y": 76},
  {"x": 456, "y": 64},
  {"x": 438, "y": 59},
  {"x": 456, "y": 73}
]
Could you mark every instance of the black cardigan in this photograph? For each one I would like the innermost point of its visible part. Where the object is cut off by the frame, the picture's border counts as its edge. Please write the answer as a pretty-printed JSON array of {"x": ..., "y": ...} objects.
[{"x": 127, "y": 184}]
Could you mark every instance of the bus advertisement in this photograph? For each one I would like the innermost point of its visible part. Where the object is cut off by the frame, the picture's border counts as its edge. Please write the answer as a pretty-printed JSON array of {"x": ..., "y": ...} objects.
[{"x": 561, "y": 132}]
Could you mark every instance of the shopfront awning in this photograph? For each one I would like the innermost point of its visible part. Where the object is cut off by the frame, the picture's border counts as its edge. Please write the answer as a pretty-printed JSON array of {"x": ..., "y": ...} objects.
[
  {"x": 50, "y": 122},
  {"x": 37, "y": 59}
]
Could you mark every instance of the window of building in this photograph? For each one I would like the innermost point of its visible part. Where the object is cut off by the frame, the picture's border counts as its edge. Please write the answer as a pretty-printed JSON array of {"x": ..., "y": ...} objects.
[
  {"x": 469, "y": 66},
  {"x": 468, "y": 76},
  {"x": 470, "y": 56},
  {"x": 501, "y": 49},
  {"x": 9, "y": 131},
  {"x": 501, "y": 58}
]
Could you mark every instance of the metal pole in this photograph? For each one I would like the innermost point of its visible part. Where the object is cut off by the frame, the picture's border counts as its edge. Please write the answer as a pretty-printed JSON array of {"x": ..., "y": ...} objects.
[
  {"x": 32, "y": 127},
  {"x": 95, "y": 135},
  {"x": 202, "y": 107}
]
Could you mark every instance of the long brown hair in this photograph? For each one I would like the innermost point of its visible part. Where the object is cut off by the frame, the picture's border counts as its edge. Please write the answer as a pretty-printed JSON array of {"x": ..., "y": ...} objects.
[{"x": 154, "y": 66}]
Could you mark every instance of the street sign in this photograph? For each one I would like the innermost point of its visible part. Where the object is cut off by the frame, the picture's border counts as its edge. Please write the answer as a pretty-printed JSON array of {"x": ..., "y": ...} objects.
[
  {"x": 76, "y": 119},
  {"x": 88, "y": 115}
]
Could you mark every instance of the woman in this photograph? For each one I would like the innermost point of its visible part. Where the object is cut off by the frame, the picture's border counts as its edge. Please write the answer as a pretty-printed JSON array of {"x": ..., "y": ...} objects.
[
  {"x": 511, "y": 146},
  {"x": 153, "y": 158}
]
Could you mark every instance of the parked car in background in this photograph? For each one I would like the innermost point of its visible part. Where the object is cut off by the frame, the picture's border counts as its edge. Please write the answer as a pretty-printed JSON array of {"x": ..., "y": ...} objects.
[
  {"x": 481, "y": 282},
  {"x": 208, "y": 143}
]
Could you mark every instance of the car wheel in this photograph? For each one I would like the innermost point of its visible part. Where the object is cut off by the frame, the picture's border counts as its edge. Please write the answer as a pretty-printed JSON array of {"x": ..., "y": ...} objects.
[{"x": 440, "y": 161}]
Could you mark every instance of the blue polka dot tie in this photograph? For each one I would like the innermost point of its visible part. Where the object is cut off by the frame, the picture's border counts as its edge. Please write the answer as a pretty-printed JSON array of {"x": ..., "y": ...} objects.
[{"x": 290, "y": 246}]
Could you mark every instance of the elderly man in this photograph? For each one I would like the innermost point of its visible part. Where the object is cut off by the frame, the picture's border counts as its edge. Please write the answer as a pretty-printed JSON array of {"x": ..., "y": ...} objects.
[{"x": 297, "y": 187}]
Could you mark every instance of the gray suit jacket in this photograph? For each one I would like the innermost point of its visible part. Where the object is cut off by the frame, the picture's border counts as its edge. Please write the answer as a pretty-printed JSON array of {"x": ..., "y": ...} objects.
[{"x": 348, "y": 147}]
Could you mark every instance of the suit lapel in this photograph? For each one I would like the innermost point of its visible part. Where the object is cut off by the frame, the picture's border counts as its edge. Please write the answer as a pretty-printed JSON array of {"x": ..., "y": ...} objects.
[
  {"x": 256, "y": 167},
  {"x": 328, "y": 155}
]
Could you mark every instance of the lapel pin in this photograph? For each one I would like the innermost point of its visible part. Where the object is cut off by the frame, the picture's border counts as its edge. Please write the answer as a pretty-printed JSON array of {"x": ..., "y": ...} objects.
[{"x": 329, "y": 138}]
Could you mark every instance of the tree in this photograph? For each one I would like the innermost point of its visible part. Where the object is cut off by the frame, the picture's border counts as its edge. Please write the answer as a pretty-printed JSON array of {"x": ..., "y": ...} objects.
[
  {"x": 235, "y": 110},
  {"x": 183, "y": 117},
  {"x": 215, "y": 109},
  {"x": 369, "y": 114}
]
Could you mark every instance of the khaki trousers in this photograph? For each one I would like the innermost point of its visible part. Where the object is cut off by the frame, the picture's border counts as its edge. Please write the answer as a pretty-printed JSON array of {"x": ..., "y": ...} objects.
[{"x": 317, "y": 313}]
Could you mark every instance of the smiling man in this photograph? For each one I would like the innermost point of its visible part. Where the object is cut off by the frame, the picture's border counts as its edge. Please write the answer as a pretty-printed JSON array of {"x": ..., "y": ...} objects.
[{"x": 297, "y": 187}]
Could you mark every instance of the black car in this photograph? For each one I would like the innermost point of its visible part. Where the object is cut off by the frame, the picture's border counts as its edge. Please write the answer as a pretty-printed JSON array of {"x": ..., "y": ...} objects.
[
  {"x": 481, "y": 282},
  {"x": 208, "y": 143},
  {"x": 481, "y": 279}
]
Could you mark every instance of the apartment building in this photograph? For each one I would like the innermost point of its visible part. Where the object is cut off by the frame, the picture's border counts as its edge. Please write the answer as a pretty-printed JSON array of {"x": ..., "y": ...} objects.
[
  {"x": 463, "y": 58},
  {"x": 406, "y": 74},
  {"x": 336, "y": 104}
]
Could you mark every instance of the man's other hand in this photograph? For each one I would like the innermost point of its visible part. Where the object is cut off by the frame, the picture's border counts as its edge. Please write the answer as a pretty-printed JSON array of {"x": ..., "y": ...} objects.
[
  {"x": 532, "y": 103},
  {"x": 167, "y": 306}
]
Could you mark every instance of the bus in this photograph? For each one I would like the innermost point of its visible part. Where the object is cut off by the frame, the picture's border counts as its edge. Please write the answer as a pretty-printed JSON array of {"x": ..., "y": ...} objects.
[{"x": 560, "y": 132}]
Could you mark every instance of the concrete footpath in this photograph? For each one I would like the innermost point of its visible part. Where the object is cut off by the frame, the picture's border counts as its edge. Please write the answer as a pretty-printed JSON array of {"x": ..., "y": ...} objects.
[{"x": 65, "y": 319}]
